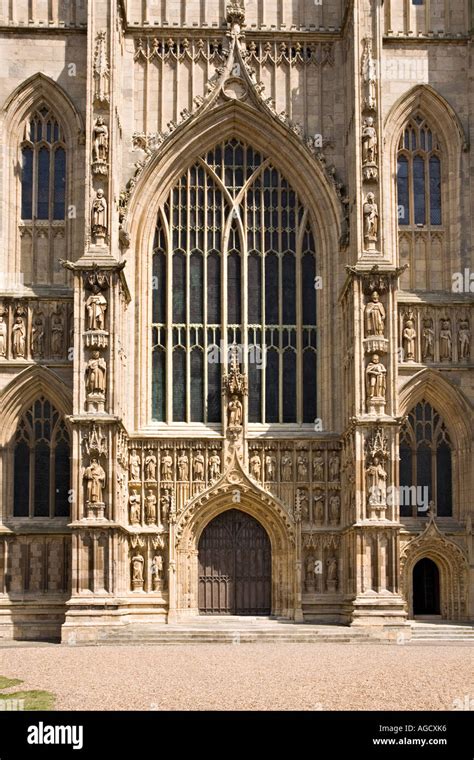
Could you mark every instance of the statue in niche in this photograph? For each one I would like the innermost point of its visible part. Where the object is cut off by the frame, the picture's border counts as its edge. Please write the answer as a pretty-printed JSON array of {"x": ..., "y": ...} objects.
[
  {"x": 332, "y": 571},
  {"x": 318, "y": 509},
  {"x": 302, "y": 466},
  {"x": 318, "y": 467},
  {"x": 19, "y": 338},
  {"x": 150, "y": 507},
  {"x": 310, "y": 574},
  {"x": 234, "y": 411},
  {"x": 99, "y": 215},
  {"x": 334, "y": 466},
  {"x": 96, "y": 306},
  {"x": 183, "y": 467},
  {"x": 464, "y": 337},
  {"x": 214, "y": 466},
  {"x": 374, "y": 316},
  {"x": 369, "y": 141},
  {"x": 376, "y": 378},
  {"x": 135, "y": 465},
  {"x": 137, "y": 571},
  {"x": 302, "y": 500},
  {"x": 409, "y": 335},
  {"x": 37, "y": 336},
  {"x": 334, "y": 509},
  {"x": 270, "y": 467},
  {"x": 166, "y": 466},
  {"x": 94, "y": 476},
  {"x": 57, "y": 332},
  {"x": 369, "y": 76},
  {"x": 371, "y": 218},
  {"x": 135, "y": 503},
  {"x": 198, "y": 466},
  {"x": 96, "y": 370},
  {"x": 445, "y": 341},
  {"x": 100, "y": 143},
  {"x": 376, "y": 482},
  {"x": 428, "y": 339},
  {"x": 255, "y": 466},
  {"x": 156, "y": 572},
  {"x": 165, "y": 503},
  {"x": 150, "y": 466},
  {"x": 3, "y": 336},
  {"x": 286, "y": 466}
]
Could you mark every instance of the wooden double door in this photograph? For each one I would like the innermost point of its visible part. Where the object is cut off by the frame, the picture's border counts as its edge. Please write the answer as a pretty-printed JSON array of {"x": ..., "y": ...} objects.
[{"x": 234, "y": 566}]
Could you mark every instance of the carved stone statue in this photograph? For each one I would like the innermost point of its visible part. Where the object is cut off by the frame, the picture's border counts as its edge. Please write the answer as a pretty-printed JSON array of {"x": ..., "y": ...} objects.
[
  {"x": 135, "y": 503},
  {"x": 57, "y": 332},
  {"x": 334, "y": 466},
  {"x": 183, "y": 467},
  {"x": 428, "y": 339},
  {"x": 318, "y": 509},
  {"x": 96, "y": 371},
  {"x": 255, "y": 466},
  {"x": 37, "y": 336},
  {"x": 371, "y": 218},
  {"x": 150, "y": 507},
  {"x": 445, "y": 341},
  {"x": 369, "y": 76},
  {"x": 134, "y": 465},
  {"x": 165, "y": 503},
  {"x": 99, "y": 215},
  {"x": 166, "y": 466},
  {"x": 198, "y": 466},
  {"x": 137, "y": 571},
  {"x": 3, "y": 336},
  {"x": 150, "y": 466},
  {"x": 332, "y": 571},
  {"x": 376, "y": 483},
  {"x": 270, "y": 467},
  {"x": 464, "y": 337},
  {"x": 302, "y": 498},
  {"x": 234, "y": 411},
  {"x": 286, "y": 466},
  {"x": 334, "y": 509},
  {"x": 374, "y": 316},
  {"x": 214, "y": 466},
  {"x": 376, "y": 378},
  {"x": 318, "y": 467},
  {"x": 369, "y": 141},
  {"x": 96, "y": 306},
  {"x": 409, "y": 335},
  {"x": 94, "y": 476},
  {"x": 156, "y": 572},
  {"x": 309, "y": 574},
  {"x": 19, "y": 339},
  {"x": 302, "y": 466},
  {"x": 100, "y": 146}
]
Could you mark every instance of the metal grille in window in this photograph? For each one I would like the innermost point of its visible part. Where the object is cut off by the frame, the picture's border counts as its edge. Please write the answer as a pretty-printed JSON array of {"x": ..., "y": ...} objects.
[
  {"x": 419, "y": 175},
  {"x": 43, "y": 176},
  {"x": 42, "y": 463},
  {"x": 425, "y": 463},
  {"x": 242, "y": 264}
]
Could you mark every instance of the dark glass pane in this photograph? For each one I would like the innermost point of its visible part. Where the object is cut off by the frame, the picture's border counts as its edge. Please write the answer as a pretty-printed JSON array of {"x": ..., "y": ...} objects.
[
  {"x": 159, "y": 288},
  {"x": 27, "y": 184},
  {"x": 289, "y": 386},
  {"x": 403, "y": 197},
  {"x": 406, "y": 480},
  {"x": 159, "y": 385},
  {"x": 234, "y": 289},
  {"x": 419, "y": 189},
  {"x": 213, "y": 392},
  {"x": 423, "y": 469},
  {"x": 255, "y": 391},
  {"x": 444, "y": 481},
  {"x": 179, "y": 288},
  {"x": 309, "y": 386},
  {"x": 197, "y": 289},
  {"x": 21, "y": 486},
  {"x": 43, "y": 184},
  {"x": 213, "y": 289},
  {"x": 271, "y": 289},
  {"x": 197, "y": 385},
  {"x": 42, "y": 476},
  {"x": 272, "y": 387},
  {"x": 308, "y": 273},
  {"x": 179, "y": 385},
  {"x": 255, "y": 289},
  {"x": 62, "y": 478},
  {"x": 435, "y": 190},
  {"x": 59, "y": 208},
  {"x": 289, "y": 290}
]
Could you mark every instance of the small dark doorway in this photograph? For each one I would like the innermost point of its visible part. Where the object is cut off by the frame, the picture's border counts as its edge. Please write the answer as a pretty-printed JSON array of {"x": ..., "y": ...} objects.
[
  {"x": 426, "y": 588},
  {"x": 234, "y": 566}
]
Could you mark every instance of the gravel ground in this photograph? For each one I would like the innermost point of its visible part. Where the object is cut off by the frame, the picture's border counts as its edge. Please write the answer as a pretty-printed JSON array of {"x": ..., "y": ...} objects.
[{"x": 246, "y": 677}]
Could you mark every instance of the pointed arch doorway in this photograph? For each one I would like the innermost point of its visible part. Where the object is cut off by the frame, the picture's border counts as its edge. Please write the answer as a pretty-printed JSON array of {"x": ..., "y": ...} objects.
[
  {"x": 426, "y": 594},
  {"x": 234, "y": 566}
]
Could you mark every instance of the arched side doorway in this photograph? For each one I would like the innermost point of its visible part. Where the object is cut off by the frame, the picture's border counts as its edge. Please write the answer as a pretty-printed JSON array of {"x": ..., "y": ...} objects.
[
  {"x": 234, "y": 566},
  {"x": 426, "y": 588}
]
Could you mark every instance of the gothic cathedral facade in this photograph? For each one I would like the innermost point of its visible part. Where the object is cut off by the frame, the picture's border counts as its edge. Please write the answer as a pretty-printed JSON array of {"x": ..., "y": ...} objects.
[{"x": 236, "y": 313}]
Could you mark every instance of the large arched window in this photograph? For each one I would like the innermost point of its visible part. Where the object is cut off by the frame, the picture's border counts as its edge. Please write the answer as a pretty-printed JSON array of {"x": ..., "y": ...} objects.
[
  {"x": 41, "y": 463},
  {"x": 234, "y": 263},
  {"x": 425, "y": 463},
  {"x": 419, "y": 176}
]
